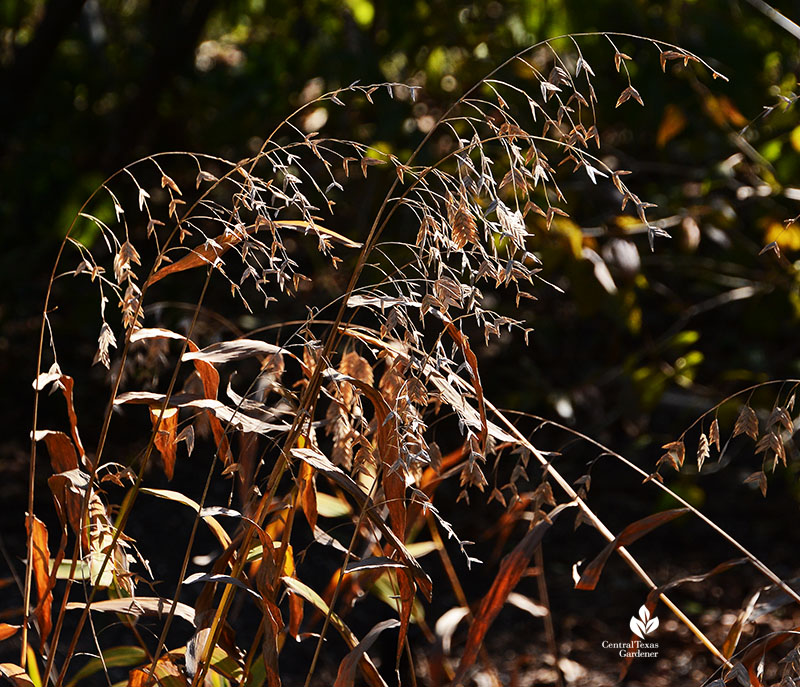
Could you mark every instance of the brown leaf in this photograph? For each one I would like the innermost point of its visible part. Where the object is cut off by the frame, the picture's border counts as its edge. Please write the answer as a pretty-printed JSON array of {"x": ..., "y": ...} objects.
[
  {"x": 408, "y": 591},
  {"x": 759, "y": 648},
  {"x": 273, "y": 622},
  {"x": 634, "y": 531},
  {"x": 676, "y": 449},
  {"x": 618, "y": 57},
  {"x": 61, "y": 449},
  {"x": 204, "y": 176},
  {"x": 627, "y": 94},
  {"x": 321, "y": 463},
  {"x": 746, "y": 423},
  {"x": 16, "y": 675},
  {"x": 167, "y": 181},
  {"x": 68, "y": 490},
  {"x": 40, "y": 560},
  {"x": 165, "y": 441},
  {"x": 308, "y": 494},
  {"x": 511, "y": 569},
  {"x": 464, "y": 229},
  {"x": 7, "y": 630},
  {"x": 347, "y": 668},
  {"x": 66, "y": 384},
  {"x": 702, "y": 451},
  {"x": 367, "y": 666},
  {"x": 472, "y": 361},
  {"x": 759, "y": 477},
  {"x": 735, "y": 633},
  {"x": 209, "y": 252},
  {"x": 713, "y": 433}
]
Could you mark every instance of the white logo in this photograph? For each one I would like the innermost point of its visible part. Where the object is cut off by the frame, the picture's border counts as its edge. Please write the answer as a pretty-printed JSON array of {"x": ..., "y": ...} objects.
[{"x": 644, "y": 624}]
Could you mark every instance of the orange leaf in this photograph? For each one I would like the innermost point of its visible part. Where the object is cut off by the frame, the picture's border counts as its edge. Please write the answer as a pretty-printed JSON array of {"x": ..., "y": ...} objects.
[
  {"x": 672, "y": 123},
  {"x": 347, "y": 668},
  {"x": 209, "y": 252},
  {"x": 7, "y": 630},
  {"x": 308, "y": 494},
  {"x": 408, "y": 591},
  {"x": 61, "y": 449},
  {"x": 165, "y": 430},
  {"x": 630, "y": 534},
  {"x": 40, "y": 559},
  {"x": 65, "y": 383},
  {"x": 269, "y": 645},
  {"x": 511, "y": 569},
  {"x": 321, "y": 463},
  {"x": 167, "y": 674}
]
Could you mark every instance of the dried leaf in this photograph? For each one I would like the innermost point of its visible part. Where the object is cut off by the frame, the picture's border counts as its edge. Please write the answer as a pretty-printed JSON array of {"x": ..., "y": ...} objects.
[
  {"x": 321, "y": 463},
  {"x": 627, "y": 94},
  {"x": 676, "y": 449},
  {"x": 7, "y": 630},
  {"x": 209, "y": 252},
  {"x": 308, "y": 494},
  {"x": 295, "y": 586},
  {"x": 618, "y": 57},
  {"x": 702, "y": 451},
  {"x": 167, "y": 674},
  {"x": 165, "y": 426},
  {"x": 140, "y": 606},
  {"x": 511, "y": 569},
  {"x": 761, "y": 479},
  {"x": 63, "y": 456},
  {"x": 219, "y": 411},
  {"x": 220, "y": 533},
  {"x": 228, "y": 351},
  {"x": 347, "y": 668},
  {"x": 746, "y": 423},
  {"x": 464, "y": 229},
  {"x": 40, "y": 560},
  {"x": 204, "y": 176},
  {"x": 735, "y": 633},
  {"x": 713, "y": 434},
  {"x": 16, "y": 675},
  {"x": 634, "y": 531},
  {"x": 447, "y": 624},
  {"x": 528, "y": 605}
]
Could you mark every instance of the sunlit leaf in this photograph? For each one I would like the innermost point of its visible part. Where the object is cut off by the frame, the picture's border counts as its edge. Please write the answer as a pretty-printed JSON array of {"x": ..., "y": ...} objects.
[
  {"x": 511, "y": 569},
  {"x": 347, "y": 667},
  {"x": 592, "y": 572},
  {"x": 140, "y": 606},
  {"x": 40, "y": 560}
]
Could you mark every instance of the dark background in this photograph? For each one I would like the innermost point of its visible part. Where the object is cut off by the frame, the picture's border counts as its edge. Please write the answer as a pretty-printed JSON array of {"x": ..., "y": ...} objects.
[{"x": 88, "y": 86}]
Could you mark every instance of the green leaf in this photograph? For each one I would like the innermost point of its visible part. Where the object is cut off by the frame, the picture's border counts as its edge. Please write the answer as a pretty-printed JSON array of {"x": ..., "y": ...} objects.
[{"x": 116, "y": 657}]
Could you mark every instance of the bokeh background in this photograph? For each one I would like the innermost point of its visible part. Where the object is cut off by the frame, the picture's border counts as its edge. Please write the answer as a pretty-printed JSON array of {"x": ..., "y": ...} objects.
[{"x": 638, "y": 344}]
